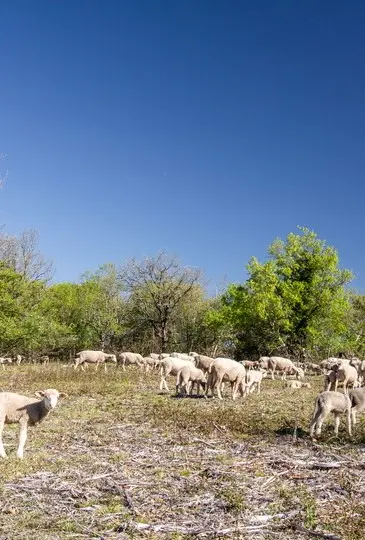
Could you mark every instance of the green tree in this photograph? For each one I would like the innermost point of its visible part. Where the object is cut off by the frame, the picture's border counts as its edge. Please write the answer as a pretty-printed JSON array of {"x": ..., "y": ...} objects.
[{"x": 294, "y": 302}]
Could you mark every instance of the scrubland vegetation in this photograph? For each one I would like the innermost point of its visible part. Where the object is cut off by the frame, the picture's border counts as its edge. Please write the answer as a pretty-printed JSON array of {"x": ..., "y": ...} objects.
[{"x": 117, "y": 459}]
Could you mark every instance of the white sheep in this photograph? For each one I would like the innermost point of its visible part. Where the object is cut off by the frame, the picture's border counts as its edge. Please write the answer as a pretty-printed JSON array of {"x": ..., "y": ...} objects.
[
  {"x": 203, "y": 362},
  {"x": 346, "y": 374},
  {"x": 150, "y": 363},
  {"x": 297, "y": 384},
  {"x": 330, "y": 402},
  {"x": 93, "y": 357},
  {"x": 130, "y": 359},
  {"x": 170, "y": 366},
  {"x": 277, "y": 363},
  {"x": 187, "y": 377},
  {"x": 183, "y": 356},
  {"x": 253, "y": 380},
  {"x": 18, "y": 359},
  {"x": 25, "y": 411},
  {"x": 263, "y": 362},
  {"x": 225, "y": 369},
  {"x": 357, "y": 398}
]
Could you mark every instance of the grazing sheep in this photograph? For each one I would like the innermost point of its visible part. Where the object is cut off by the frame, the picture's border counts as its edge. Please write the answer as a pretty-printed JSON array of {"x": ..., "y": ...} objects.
[
  {"x": 130, "y": 359},
  {"x": 15, "y": 408},
  {"x": 225, "y": 369},
  {"x": 284, "y": 365},
  {"x": 5, "y": 360},
  {"x": 253, "y": 380},
  {"x": 357, "y": 398},
  {"x": 93, "y": 357},
  {"x": 170, "y": 366},
  {"x": 296, "y": 384},
  {"x": 315, "y": 368},
  {"x": 187, "y": 377},
  {"x": 203, "y": 362},
  {"x": 330, "y": 402},
  {"x": 249, "y": 364},
  {"x": 150, "y": 363}
]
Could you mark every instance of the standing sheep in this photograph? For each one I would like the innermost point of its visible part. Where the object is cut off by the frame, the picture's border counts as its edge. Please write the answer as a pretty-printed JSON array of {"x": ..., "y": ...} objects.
[
  {"x": 203, "y": 362},
  {"x": 131, "y": 359},
  {"x": 187, "y": 377},
  {"x": 330, "y": 402},
  {"x": 25, "y": 411},
  {"x": 93, "y": 357},
  {"x": 170, "y": 366},
  {"x": 225, "y": 369}
]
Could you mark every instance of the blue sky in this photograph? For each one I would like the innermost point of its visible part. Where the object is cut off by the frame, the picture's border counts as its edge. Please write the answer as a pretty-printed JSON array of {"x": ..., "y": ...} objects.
[{"x": 200, "y": 127}]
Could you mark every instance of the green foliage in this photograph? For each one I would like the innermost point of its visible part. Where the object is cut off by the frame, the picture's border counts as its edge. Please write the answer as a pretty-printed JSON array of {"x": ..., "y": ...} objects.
[{"x": 293, "y": 302}]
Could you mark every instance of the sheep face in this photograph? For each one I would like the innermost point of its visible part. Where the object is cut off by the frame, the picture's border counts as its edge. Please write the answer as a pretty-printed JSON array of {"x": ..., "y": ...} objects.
[
  {"x": 50, "y": 397},
  {"x": 112, "y": 357}
]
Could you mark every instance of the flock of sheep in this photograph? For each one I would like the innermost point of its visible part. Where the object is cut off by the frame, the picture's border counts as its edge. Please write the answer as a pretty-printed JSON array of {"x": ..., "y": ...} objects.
[{"x": 194, "y": 369}]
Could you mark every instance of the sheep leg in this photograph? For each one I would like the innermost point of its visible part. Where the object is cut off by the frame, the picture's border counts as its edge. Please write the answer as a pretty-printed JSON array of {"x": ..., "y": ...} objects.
[
  {"x": 315, "y": 425},
  {"x": 2, "y": 450},
  {"x": 105, "y": 368},
  {"x": 272, "y": 373},
  {"x": 219, "y": 385},
  {"x": 23, "y": 423},
  {"x": 337, "y": 421},
  {"x": 345, "y": 386},
  {"x": 336, "y": 384}
]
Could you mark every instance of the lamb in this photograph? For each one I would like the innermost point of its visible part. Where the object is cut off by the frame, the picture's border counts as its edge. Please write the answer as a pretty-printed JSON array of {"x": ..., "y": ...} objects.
[
  {"x": 15, "y": 408},
  {"x": 225, "y": 369},
  {"x": 297, "y": 384},
  {"x": 328, "y": 402},
  {"x": 203, "y": 362},
  {"x": 170, "y": 366},
  {"x": 130, "y": 358},
  {"x": 253, "y": 380},
  {"x": 93, "y": 357},
  {"x": 187, "y": 377}
]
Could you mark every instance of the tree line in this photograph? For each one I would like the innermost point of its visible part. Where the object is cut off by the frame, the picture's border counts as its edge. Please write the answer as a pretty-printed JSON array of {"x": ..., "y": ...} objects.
[{"x": 298, "y": 303}]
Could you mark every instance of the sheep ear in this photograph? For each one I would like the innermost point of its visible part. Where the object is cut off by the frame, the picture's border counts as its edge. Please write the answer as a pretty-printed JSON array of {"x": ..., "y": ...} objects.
[
  {"x": 63, "y": 394},
  {"x": 40, "y": 393}
]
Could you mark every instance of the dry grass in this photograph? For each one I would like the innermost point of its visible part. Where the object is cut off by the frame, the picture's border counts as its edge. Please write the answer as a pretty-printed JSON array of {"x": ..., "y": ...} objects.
[{"x": 118, "y": 460}]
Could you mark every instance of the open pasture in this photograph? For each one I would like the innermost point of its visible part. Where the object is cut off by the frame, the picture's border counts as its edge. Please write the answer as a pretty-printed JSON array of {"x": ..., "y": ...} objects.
[{"x": 117, "y": 459}]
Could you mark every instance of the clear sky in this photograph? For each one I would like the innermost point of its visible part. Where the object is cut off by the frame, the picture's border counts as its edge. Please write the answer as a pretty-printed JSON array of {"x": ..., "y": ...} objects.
[{"x": 206, "y": 128}]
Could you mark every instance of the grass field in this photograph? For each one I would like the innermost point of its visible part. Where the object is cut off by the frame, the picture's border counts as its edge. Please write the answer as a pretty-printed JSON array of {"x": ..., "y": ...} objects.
[{"x": 117, "y": 459}]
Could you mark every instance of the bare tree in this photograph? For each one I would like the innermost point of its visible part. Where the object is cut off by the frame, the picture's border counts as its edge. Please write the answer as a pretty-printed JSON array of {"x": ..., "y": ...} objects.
[
  {"x": 156, "y": 286},
  {"x": 23, "y": 255}
]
